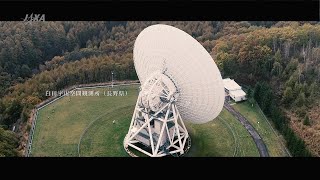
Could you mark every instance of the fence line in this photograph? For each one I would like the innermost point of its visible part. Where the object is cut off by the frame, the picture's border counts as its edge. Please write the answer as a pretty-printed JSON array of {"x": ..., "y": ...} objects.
[
  {"x": 55, "y": 98},
  {"x": 268, "y": 122},
  {"x": 274, "y": 131}
]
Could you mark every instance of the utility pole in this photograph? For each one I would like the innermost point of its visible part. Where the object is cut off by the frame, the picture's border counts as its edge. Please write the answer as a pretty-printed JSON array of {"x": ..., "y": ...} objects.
[{"x": 111, "y": 79}]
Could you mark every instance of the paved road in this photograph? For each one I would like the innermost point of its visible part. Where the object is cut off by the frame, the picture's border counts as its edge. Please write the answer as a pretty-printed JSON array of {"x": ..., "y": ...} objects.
[{"x": 262, "y": 148}]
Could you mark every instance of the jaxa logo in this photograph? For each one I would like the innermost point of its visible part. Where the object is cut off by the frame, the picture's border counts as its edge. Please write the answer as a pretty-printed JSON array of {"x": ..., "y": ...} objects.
[{"x": 34, "y": 18}]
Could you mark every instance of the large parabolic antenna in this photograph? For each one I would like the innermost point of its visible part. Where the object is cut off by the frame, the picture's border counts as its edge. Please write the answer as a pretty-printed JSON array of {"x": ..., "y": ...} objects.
[{"x": 179, "y": 82}]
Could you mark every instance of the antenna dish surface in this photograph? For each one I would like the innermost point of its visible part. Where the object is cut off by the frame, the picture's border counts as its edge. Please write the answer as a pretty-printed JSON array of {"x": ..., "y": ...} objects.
[{"x": 166, "y": 49}]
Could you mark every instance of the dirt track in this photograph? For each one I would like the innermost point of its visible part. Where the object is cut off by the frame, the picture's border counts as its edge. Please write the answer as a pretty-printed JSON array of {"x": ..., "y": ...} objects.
[{"x": 262, "y": 148}]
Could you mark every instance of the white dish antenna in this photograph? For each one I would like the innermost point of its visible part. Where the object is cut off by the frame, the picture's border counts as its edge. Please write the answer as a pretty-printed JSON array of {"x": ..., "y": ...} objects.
[{"x": 179, "y": 81}]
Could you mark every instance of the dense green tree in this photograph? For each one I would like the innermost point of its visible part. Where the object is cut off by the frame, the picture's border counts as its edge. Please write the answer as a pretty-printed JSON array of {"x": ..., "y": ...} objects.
[
  {"x": 288, "y": 95},
  {"x": 8, "y": 143},
  {"x": 306, "y": 121},
  {"x": 265, "y": 99},
  {"x": 25, "y": 71},
  {"x": 257, "y": 92},
  {"x": 277, "y": 56},
  {"x": 276, "y": 69},
  {"x": 12, "y": 112},
  {"x": 301, "y": 100}
]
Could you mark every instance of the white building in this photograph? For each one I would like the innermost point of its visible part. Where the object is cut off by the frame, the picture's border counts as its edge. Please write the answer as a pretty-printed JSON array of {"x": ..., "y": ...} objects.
[{"x": 233, "y": 90}]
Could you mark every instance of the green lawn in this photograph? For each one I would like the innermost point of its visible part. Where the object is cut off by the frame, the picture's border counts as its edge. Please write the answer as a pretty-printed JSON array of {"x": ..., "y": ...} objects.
[
  {"x": 59, "y": 134},
  {"x": 224, "y": 136},
  {"x": 105, "y": 138},
  {"x": 258, "y": 121},
  {"x": 89, "y": 120},
  {"x": 245, "y": 143}
]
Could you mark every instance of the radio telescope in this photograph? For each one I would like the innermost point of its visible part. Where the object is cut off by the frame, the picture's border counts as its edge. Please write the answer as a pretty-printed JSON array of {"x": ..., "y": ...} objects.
[{"x": 179, "y": 82}]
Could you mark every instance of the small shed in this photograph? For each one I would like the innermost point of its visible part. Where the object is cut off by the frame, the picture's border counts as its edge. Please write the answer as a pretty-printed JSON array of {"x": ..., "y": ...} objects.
[{"x": 233, "y": 90}]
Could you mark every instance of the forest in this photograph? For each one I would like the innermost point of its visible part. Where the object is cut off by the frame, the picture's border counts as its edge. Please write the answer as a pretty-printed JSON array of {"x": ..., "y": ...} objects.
[{"x": 278, "y": 61}]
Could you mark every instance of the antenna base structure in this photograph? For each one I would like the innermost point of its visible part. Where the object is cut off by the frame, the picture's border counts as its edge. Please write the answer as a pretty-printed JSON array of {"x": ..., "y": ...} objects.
[{"x": 157, "y": 128}]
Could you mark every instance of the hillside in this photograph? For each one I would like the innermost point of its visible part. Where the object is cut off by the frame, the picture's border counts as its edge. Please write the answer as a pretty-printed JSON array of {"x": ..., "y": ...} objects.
[
  {"x": 286, "y": 56},
  {"x": 54, "y": 55}
]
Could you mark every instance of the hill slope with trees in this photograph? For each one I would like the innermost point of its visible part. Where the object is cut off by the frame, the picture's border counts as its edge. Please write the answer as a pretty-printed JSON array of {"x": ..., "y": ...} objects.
[{"x": 281, "y": 58}]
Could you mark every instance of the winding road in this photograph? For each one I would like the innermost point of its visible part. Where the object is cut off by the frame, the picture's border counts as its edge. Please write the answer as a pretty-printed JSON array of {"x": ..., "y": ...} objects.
[{"x": 262, "y": 148}]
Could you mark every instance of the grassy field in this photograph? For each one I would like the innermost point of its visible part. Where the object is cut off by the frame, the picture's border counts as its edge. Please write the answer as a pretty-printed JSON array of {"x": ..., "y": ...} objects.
[
  {"x": 258, "y": 121},
  {"x": 105, "y": 138},
  {"x": 245, "y": 145},
  {"x": 59, "y": 134},
  {"x": 225, "y": 136},
  {"x": 89, "y": 120},
  {"x": 215, "y": 138}
]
